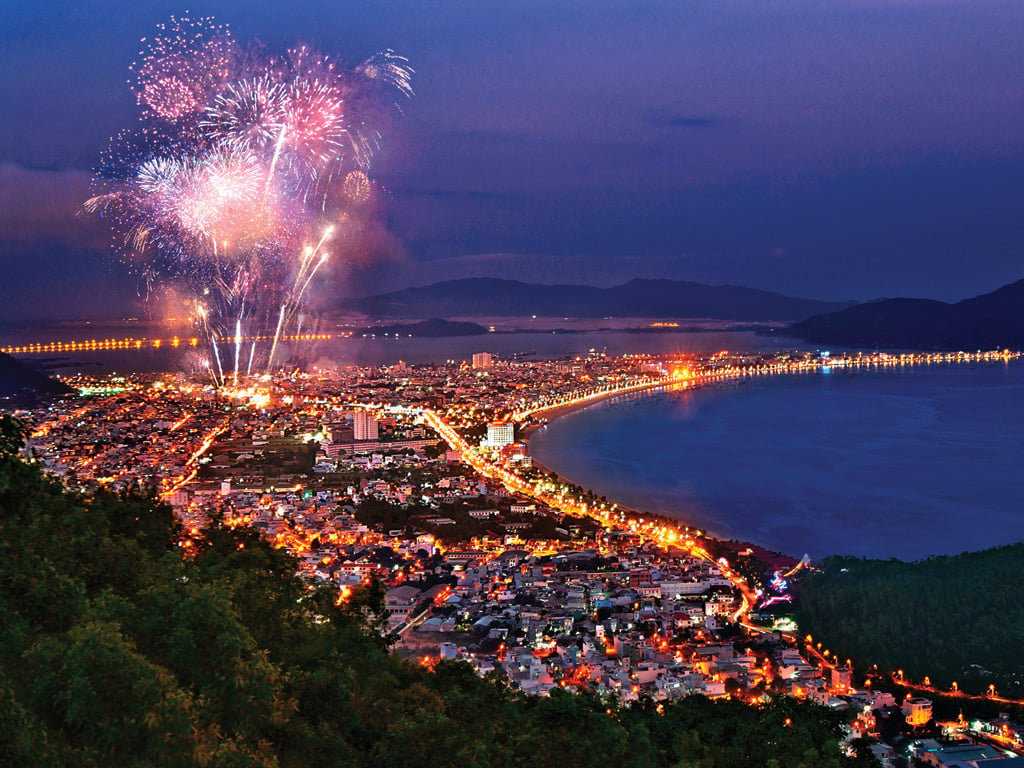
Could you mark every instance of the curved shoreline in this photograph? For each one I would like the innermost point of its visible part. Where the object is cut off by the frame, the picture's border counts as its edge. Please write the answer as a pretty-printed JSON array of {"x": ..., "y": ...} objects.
[
  {"x": 560, "y": 411},
  {"x": 729, "y": 547},
  {"x": 679, "y": 515}
]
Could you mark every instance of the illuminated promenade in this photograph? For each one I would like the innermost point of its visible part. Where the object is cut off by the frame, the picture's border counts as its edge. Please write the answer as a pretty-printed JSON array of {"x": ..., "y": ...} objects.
[
  {"x": 664, "y": 533},
  {"x": 189, "y": 424},
  {"x": 684, "y": 377}
]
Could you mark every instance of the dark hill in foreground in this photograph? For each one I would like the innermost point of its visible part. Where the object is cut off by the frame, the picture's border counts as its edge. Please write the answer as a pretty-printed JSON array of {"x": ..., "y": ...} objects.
[
  {"x": 481, "y": 297},
  {"x": 22, "y": 385},
  {"x": 990, "y": 321}
]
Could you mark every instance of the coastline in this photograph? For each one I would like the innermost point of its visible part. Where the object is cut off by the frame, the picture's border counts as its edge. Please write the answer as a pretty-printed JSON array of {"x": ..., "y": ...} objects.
[
  {"x": 558, "y": 411},
  {"x": 729, "y": 547},
  {"x": 668, "y": 506}
]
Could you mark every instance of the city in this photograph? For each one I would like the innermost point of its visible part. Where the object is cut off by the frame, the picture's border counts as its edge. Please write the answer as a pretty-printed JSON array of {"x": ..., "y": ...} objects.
[{"x": 413, "y": 476}]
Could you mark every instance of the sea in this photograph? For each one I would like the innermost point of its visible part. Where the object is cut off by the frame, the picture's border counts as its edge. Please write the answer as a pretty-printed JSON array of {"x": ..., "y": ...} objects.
[{"x": 900, "y": 463}]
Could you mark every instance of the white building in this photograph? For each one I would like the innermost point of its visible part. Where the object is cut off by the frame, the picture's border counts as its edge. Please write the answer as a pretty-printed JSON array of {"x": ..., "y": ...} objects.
[
  {"x": 500, "y": 434},
  {"x": 482, "y": 360},
  {"x": 364, "y": 426}
]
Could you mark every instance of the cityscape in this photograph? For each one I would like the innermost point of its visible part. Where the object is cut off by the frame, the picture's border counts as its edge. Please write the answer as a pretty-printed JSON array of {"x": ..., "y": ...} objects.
[
  {"x": 420, "y": 478},
  {"x": 506, "y": 386}
]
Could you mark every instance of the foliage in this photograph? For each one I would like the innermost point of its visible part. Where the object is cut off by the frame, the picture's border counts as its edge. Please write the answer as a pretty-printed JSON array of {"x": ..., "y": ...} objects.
[
  {"x": 119, "y": 645},
  {"x": 935, "y": 617}
]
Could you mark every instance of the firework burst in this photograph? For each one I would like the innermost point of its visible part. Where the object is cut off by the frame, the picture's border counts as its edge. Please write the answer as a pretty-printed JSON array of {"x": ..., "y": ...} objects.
[
  {"x": 232, "y": 187},
  {"x": 183, "y": 64}
]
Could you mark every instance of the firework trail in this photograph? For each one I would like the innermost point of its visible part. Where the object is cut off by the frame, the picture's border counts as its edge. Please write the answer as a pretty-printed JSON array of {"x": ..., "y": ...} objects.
[
  {"x": 242, "y": 166},
  {"x": 216, "y": 354},
  {"x": 277, "y": 336},
  {"x": 238, "y": 346}
]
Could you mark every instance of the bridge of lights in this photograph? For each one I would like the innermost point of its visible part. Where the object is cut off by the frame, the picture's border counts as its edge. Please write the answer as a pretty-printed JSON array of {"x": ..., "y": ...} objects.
[{"x": 131, "y": 343}]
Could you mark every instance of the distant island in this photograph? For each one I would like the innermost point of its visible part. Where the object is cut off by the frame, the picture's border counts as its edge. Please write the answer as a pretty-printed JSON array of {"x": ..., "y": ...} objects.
[
  {"x": 22, "y": 385},
  {"x": 479, "y": 297},
  {"x": 993, "y": 320}
]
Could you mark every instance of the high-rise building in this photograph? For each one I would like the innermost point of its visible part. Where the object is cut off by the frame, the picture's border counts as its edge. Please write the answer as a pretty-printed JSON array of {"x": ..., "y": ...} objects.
[
  {"x": 500, "y": 433},
  {"x": 482, "y": 360},
  {"x": 364, "y": 426}
]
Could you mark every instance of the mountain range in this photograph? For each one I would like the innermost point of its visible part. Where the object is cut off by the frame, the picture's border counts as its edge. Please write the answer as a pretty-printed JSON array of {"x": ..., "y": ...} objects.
[
  {"x": 483, "y": 297},
  {"x": 993, "y": 320}
]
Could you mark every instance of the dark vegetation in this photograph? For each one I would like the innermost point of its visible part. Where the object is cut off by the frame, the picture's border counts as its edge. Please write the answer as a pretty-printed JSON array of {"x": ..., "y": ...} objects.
[
  {"x": 119, "y": 646},
  {"x": 990, "y": 321},
  {"x": 384, "y": 516},
  {"x": 951, "y": 618},
  {"x": 21, "y": 385}
]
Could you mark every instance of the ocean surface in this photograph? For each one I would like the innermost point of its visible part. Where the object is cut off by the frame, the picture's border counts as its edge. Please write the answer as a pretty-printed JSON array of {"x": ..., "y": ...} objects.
[{"x": 902, "y": 463}]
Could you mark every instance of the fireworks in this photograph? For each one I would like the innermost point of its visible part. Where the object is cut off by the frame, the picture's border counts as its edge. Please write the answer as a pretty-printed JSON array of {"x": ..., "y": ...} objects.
[
  {"x": 242, "y": 168},
  {"x": 186, "y": 61}
]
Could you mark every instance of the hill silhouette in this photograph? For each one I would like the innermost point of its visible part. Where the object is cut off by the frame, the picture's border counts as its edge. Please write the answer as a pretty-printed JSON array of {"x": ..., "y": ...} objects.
[
  {"x": 993, "y": 320},
  {"x": 23, "y": 385},
  {"x": 477, "y": 297}
]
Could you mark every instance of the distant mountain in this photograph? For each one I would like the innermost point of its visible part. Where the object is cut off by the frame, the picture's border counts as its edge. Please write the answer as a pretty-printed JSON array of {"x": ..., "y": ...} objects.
[
  {"x": 984, "y": 322},
  {"x": 433, "y": 328},
  {"x": 481, "y": 297},
  {"x": 22, "y": 385}
]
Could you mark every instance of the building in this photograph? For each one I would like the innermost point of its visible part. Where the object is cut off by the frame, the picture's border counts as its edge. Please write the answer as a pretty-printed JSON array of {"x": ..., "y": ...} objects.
[
  {"x": 482, "y": 360},
  {"x": 930, "y": 752},
  {"x": 364, "y": 426},
  {"x": 917, "y": 711},
  {"x": 841, "y": 680},
  {"x": 500, "y": 434},
  {"x": 400, "y": 603}
]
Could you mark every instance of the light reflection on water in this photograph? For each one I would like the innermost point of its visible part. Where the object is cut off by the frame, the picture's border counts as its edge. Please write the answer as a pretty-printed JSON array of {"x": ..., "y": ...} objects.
[{"x": 901, "y": 463}]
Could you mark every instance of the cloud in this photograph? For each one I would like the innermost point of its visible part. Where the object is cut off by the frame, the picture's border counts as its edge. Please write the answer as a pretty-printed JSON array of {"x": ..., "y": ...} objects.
[
  {"x": 43, "y": 205},
  {"x": 50, "y": 280},
  {"x": 56, "y": 262}
]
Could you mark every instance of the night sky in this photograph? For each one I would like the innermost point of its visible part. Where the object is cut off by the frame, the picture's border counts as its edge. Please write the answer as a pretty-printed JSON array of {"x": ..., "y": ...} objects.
[{"x": 825, "y": 148}]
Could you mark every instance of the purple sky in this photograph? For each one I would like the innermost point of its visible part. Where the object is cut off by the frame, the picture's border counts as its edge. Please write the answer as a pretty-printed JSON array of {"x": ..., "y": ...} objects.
[{"x": 825, "y": 148}]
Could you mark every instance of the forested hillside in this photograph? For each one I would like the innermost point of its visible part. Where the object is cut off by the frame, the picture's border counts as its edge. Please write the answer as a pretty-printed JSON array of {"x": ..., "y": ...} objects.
[
  {"x": 949, "y": 618},
  {"x": 120, "y": 646}
]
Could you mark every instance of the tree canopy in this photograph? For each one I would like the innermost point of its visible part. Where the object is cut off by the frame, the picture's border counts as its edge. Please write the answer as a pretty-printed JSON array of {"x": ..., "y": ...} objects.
[{"x": 955, "y": 618}]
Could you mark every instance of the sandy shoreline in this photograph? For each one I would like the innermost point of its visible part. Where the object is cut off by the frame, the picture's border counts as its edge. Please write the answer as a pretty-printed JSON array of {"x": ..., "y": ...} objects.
[
  {"x": 550, "y": 414},
  {"x": 557, "y": 411},
  {"x": 732, "y": 546}
]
